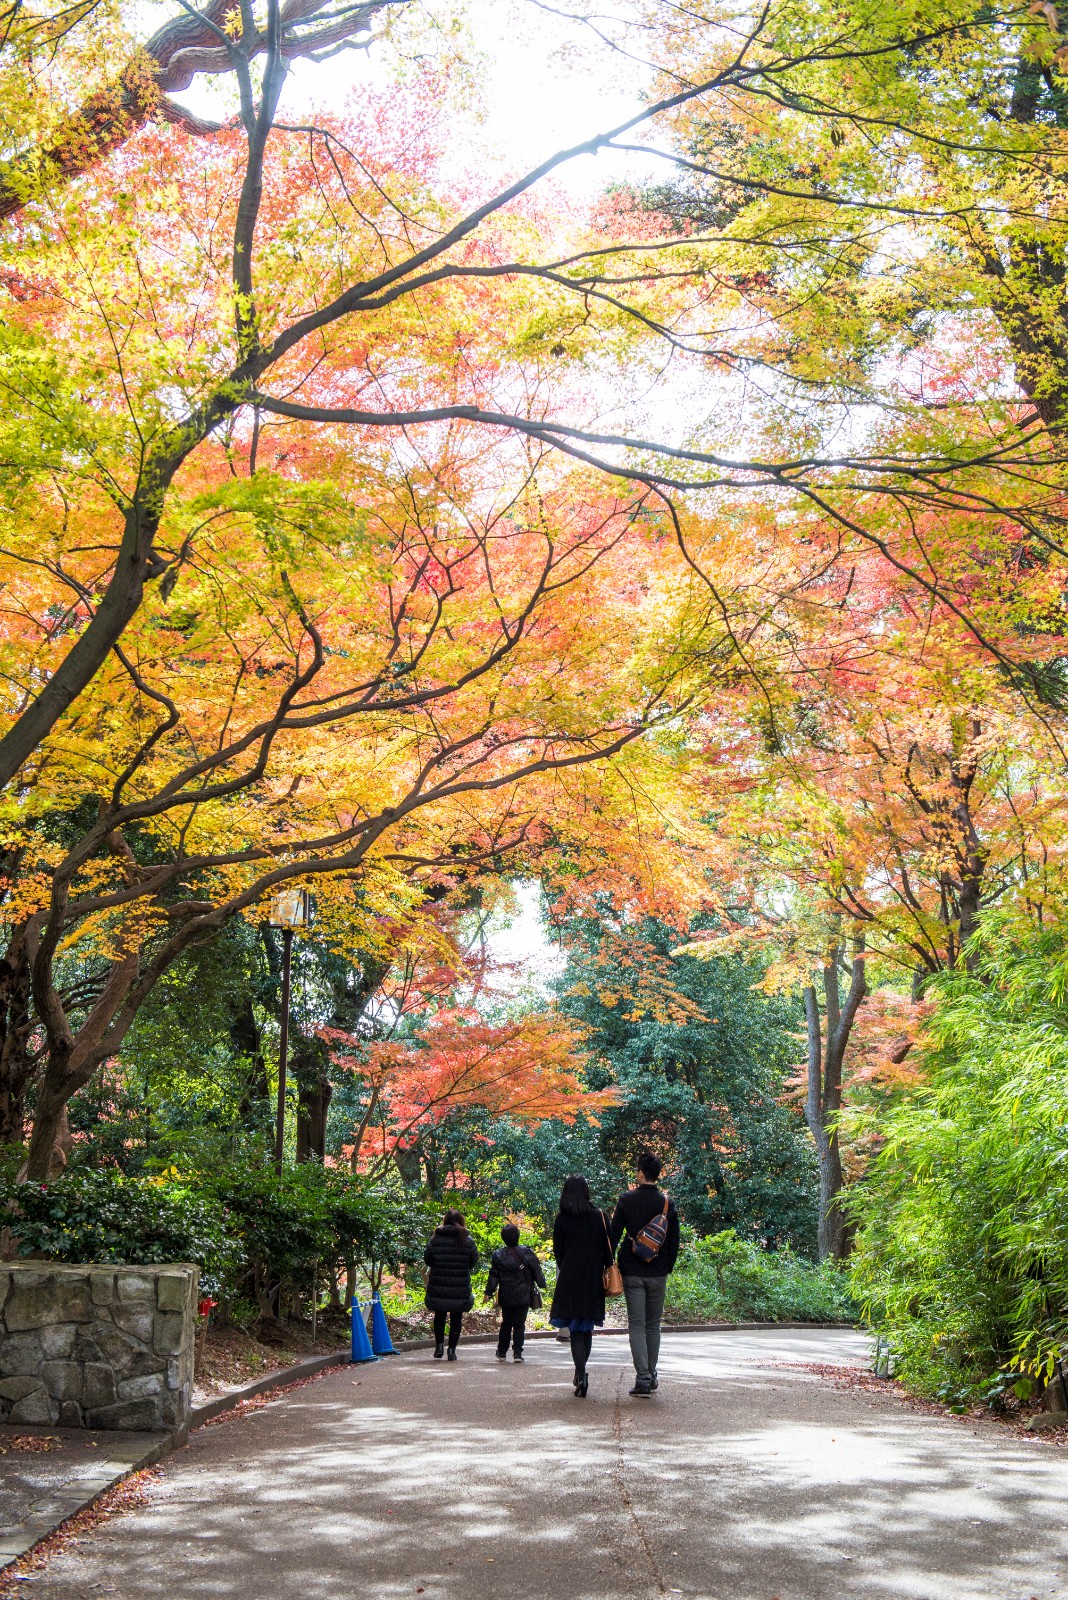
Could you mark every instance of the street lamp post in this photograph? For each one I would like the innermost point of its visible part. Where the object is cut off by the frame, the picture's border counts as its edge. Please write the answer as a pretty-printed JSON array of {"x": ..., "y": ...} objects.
[{"x": 290, "y": 912}]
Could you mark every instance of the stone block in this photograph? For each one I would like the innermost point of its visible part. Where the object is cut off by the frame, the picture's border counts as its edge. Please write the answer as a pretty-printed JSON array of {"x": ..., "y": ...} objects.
[
  {"x": 167, "y": 1333},
  {"x": 70, "y": 1414},
  {"x": 175, "y": 1409},
  {"x": 98, "y": 1385},
  {"x": 33, "y": 1277},
  {"x": 1052, "y": 1398},
  {"x": 57, "y": 1343},
  {"x": 18, "y": 1388},
  {"x": 142, "y": 1362},
  {"x": 135, "y": 1288},
  {"x": 20, "y": 1354},
  {"x": 174, "y": 1374},
  {"x": 36, "y": 1407},
  {"x": 103, "y": 1287},
  {"x": 172, "y": 1291},
  {"x": 1043, "y": 1420},
  {"x": 146, "y": 1388},
  {"x": 62, "y": 1379},
  {"x": 135, "y": 1321},
  {"x": 86, "y": 1349},
  {"x": 133, "y": 1414},
  {"x": 44, "y": 1304},
  {"x": 113, "y": 1347}
]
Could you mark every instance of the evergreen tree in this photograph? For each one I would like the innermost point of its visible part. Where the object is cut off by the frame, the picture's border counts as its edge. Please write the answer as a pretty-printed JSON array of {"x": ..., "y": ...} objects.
[{"x": 699, "y": 1057}]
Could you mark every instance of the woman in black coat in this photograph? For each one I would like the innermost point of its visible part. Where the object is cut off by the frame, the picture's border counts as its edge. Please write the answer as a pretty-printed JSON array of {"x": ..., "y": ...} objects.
[
  {"x": 452, "y": 1257},
  {"x": 582, "y": 1250}
]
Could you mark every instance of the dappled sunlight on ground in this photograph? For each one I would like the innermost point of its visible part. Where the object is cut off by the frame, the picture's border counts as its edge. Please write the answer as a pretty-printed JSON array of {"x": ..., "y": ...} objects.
[{"x": 740, "y": 1480}]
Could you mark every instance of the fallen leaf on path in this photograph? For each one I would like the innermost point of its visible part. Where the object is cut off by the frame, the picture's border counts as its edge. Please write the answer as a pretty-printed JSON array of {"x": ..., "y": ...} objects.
[{"x": 129, "y": 1495}]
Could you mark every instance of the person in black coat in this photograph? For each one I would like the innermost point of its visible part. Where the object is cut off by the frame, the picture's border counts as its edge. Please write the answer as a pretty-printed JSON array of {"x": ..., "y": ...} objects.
[
  {"x": 582, "y": 1251},
  {"x": 452, "y": 1257},
  {"x": 645, "y": 1278},
  {"x": 515, "y": 1272}
]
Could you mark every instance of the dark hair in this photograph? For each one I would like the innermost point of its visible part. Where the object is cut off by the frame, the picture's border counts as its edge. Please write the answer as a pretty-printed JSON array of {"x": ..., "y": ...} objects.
[
  {"x": 455, "y": 1219},
  {"x": 575, "y": 1197},
  {"x": 650, "y": 1165},
  {"x": 510, "y": 1235}
]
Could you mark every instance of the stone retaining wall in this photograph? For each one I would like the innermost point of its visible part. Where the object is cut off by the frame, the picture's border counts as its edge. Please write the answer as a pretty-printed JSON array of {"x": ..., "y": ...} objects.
[{"x": 97, "y": 1346}]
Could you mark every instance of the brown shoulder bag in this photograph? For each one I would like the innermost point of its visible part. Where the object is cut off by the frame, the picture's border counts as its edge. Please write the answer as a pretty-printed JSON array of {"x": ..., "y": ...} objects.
[{"x": 613, "y": 1278}]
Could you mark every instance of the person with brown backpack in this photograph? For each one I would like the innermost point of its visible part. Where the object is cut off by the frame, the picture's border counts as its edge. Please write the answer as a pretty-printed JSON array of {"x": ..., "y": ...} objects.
[{"x": 646, "y": 1221}]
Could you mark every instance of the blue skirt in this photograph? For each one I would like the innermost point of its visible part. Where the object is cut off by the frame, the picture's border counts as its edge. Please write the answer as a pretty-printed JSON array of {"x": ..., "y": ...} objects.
[{"x": 576, "y": 1324}]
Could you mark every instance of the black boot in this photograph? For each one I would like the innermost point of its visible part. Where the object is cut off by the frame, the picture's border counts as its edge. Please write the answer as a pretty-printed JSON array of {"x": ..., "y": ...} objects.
[{"x": 439, "y": 1351}]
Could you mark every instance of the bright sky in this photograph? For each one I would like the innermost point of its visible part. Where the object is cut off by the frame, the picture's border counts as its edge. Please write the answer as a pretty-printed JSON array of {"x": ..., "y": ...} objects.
[
  {"x": 524, "y": 939},
  {"x": 534, "y": 82}
]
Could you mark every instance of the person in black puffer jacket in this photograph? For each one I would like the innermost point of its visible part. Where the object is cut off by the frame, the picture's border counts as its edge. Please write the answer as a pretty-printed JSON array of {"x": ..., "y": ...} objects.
[
  {"x": 515, "y": 1271},
  {"x": 452, "y": 1257}
]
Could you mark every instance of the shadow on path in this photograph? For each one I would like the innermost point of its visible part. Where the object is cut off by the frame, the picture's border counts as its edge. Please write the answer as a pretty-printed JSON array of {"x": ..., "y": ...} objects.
[{"x": 740, "y": 1480}]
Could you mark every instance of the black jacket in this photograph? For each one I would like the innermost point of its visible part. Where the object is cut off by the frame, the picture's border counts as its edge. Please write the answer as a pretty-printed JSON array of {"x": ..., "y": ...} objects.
[
  {"x": 633, "y": 1210},
  {"x": 451, "y": 1257},
  {"x": 514, "y": 1272},
  {"x": 582, "y": 1251}
]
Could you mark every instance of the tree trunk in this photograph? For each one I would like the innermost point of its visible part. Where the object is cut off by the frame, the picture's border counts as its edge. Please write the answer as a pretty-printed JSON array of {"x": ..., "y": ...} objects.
[
  {"x": 50, "y": 1138},
  {"x": 246, "y": 1040},
  {"x": 313, "y": 1103},
  {"x": 823, "y": 1098},
  {"x": 17, "y": 1064}
]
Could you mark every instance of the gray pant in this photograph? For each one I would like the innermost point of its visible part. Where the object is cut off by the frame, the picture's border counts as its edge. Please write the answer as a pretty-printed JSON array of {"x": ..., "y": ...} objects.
[{"x": 645, "y": 1307}]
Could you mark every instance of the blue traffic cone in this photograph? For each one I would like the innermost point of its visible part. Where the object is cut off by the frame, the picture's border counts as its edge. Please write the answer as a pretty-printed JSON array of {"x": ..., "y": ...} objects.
[
  {"x": 381, "y": 1343},
  {"x": 361, "y": 1344}
]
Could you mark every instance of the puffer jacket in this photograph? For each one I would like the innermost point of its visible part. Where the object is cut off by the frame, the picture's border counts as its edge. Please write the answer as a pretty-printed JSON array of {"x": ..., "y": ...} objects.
[
  {"x": 514, "y": 1272},
  {"x": 451, "y": 1257}
]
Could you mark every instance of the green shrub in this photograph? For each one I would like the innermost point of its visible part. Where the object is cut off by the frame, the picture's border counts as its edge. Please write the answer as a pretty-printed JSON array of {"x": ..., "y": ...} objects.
[
  {"x": 257, "y": 1236},
  {"x": 102, "y": 1216},
  {"x": 961, "y": 1261},
  {"x": 309, "y": 1222},
  {"x": 731, "y": 1279}
]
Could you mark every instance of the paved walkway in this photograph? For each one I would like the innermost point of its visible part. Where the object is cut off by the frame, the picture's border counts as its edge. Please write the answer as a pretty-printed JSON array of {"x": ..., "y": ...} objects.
[{"x": 746, "y": 1478}]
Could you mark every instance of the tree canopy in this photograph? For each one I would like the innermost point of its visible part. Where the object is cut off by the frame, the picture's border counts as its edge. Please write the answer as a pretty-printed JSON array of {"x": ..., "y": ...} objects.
[{"x": 399, "y": 527}]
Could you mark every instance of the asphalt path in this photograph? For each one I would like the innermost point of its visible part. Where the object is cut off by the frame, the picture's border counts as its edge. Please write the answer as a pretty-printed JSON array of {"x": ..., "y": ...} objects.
[{"x": 747, "y": 1477}]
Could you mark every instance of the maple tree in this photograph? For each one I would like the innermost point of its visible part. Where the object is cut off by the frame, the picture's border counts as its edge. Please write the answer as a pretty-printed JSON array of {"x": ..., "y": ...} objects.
[
  {"x": 877, "y": 787},
  {"x": 136, "y": 338},
  {"x": 398, "y": 713},
  {"x": 527, "y": 1069},
  {"x": 320, "y": 564}
]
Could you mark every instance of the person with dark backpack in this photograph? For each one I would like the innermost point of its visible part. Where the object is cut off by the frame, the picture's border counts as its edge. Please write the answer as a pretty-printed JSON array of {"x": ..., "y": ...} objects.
[
  {"x": 515, "y": 1277},
  {"x": 646, "y": 1221}
]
